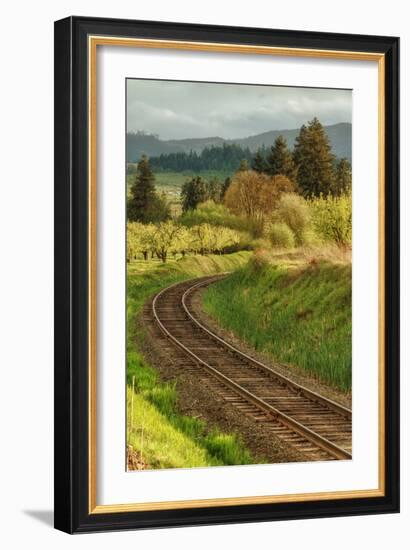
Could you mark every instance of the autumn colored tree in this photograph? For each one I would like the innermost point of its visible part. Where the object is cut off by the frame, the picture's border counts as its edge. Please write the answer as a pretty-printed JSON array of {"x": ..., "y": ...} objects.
[
  {"x": 281, "y": 184},
  {"x": 314, "y": 160},
  {"x": 256, "y": 195},
  {"x": 280, "y": 160}
]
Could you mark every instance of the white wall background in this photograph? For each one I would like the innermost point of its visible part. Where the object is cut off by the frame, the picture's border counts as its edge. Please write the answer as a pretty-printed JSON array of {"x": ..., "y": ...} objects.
[{"x": 26, "y": 255}]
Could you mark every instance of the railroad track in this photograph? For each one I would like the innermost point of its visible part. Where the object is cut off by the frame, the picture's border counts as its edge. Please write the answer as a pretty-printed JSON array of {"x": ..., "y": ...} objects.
[{"x": 317, "y": 427}]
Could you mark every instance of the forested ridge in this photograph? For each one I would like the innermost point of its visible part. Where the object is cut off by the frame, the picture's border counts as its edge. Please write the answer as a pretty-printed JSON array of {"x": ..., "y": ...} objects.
[{"x": 139, "y": 143}]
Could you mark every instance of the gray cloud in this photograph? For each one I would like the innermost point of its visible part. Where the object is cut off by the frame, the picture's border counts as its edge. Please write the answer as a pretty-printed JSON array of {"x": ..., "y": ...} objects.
[{"x": 192, "y": 109}]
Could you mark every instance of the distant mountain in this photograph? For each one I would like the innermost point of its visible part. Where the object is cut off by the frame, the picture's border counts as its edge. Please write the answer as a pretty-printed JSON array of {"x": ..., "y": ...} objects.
[
  {"x": 340, "y": 136},
  {"x": 197, "y": 144},
  {"x": 145, "y": 144}
]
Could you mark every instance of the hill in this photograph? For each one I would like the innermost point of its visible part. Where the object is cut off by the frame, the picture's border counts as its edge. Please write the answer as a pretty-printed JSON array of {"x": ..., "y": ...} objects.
[{"x": 140, "y": 143}]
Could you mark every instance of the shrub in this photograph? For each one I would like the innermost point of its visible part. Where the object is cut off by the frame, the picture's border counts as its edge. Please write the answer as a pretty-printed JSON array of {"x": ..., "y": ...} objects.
[
  {"x": 332, "y": 218},
  {"x": 293, "y": 210},
  {"x": 260, "y": 260},
  {"x": 215, "y": 214},
  {"x": 281, "y": 236},
  {"x": 311, "y": 239}
]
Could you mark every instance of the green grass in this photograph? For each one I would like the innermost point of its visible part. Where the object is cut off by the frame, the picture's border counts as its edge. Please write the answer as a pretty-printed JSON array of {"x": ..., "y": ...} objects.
[
  {"x": 165, "y": 438},
  {"x": 297, "y": 313}
]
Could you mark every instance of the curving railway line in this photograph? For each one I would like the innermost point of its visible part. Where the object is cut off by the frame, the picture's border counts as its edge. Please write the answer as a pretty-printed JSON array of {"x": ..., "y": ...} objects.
[{"x": 317, "y": 427}]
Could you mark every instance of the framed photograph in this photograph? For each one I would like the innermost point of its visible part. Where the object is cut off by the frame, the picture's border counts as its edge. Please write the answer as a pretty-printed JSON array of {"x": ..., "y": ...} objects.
[{"x": 226, "y": 274}]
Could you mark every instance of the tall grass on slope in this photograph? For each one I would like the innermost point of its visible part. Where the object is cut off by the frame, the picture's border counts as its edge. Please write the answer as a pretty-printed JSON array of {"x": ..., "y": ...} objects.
[
  {"x": 299, "y": 315},
  {"x": 167, "y": 439},
  {"x": 155, "y": 429}
]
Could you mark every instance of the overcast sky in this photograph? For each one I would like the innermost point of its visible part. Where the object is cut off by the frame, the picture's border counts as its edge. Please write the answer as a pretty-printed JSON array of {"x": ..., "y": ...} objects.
[{"x": 191, "y": 109}]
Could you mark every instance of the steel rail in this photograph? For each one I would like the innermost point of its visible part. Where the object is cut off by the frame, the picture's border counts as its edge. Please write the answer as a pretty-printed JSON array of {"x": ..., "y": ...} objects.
[
  {"x": 334, "y": 450},
  {"x": 340, "y": 409}
]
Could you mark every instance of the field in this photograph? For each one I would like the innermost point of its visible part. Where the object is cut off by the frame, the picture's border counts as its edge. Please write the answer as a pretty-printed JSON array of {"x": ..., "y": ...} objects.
[
  {"x": 294, "y": 308},
  {"x": 171, "y": 183},
  {"x": 156, "y": 430}
]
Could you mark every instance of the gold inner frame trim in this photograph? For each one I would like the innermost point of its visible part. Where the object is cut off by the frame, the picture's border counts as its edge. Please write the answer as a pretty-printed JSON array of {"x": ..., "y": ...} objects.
[{"x": 93, "y": 43}]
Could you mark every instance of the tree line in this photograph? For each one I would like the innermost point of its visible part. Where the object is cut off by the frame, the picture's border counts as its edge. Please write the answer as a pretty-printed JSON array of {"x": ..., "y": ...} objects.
[
  {"x": 226, "y": 157},
  {"x": 311, "y": 163},
  {"x": 252, "y": 194}
]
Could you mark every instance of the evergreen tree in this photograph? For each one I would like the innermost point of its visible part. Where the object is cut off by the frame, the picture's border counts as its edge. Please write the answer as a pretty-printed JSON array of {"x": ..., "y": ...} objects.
[
  {"x": 314, "y": 160},
  {"x": 214, "y": 190},
  {"x": 193, "y": 192},
  {"x": 259, "y": 163},
  {"x": 143, "y": 196},
  {"x": 226, "y": 158},
  {"x": 280, "y": 160},
  {"x": 343, "y": 180}
]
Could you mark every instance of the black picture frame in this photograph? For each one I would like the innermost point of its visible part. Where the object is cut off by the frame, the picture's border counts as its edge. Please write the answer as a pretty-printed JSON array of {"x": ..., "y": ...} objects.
[{"x": 71, "y": 418}]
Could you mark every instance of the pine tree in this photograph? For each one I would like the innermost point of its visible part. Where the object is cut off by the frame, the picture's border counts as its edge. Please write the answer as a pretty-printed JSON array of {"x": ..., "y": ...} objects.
[
  {"x": 259, "y": 162},
  {"x": 280, "y": 160},
  {"x": 193, "y": 192},
  {"x": 314, "y": 160},
  {"x": 143, "y": 195},
  {"x": 343, "y": 180}
]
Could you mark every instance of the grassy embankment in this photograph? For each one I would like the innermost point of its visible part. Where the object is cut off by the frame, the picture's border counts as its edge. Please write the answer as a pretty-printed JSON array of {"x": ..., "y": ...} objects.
[
  {"x": 163, "y": 437},
  {"x": 294, "y": 307}
]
